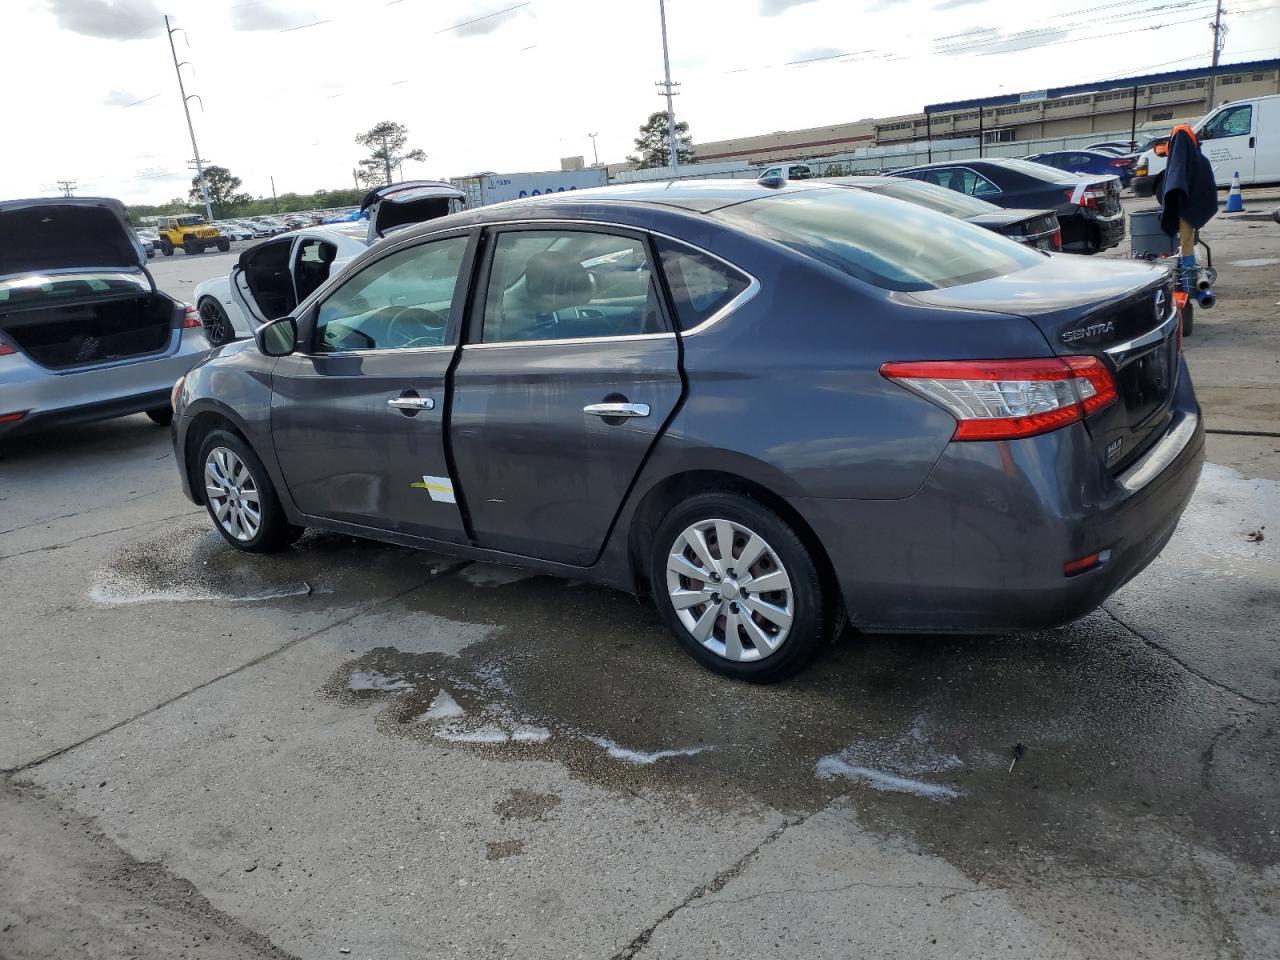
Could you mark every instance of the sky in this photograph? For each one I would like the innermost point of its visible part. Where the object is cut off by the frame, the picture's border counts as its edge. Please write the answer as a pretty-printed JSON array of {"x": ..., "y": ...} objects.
[{"x": 284, "y": 86}]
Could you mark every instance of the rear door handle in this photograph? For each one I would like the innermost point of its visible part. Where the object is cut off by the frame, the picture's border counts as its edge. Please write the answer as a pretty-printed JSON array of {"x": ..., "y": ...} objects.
[
  {"x": 412, "y": 403},
  {"x": 617, "y": 409}
]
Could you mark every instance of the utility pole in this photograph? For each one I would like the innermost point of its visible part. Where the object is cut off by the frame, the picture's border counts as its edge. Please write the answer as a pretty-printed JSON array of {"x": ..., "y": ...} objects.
[
  {"x": 594, "y": 152},
  {"x": 275, "y": 206},
  {"x": 667, "y": 89},
  {"x": 1217, "y": 48},
  {"x": 186, "y": 108},
  {"x": 67, "y": 187}
]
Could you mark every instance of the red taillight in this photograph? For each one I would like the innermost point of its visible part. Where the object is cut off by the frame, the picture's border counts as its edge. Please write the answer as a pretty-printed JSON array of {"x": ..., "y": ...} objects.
[
  {"x": 1007, "y": 399},
  {"x": 190, "y": 317},
  {"x": 5, "y": 349},
  {"x": 1122, "y": 162},
  {"x": 1056, "y": 240},
  {"x": 1090, "y": 197},
  {"x": 12, "y": 417},
  {"x": 1180, "y": 298}
]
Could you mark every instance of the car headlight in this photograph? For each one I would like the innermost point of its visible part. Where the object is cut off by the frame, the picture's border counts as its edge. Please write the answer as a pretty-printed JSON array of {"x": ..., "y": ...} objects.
[{"x": 177, "y": 388}]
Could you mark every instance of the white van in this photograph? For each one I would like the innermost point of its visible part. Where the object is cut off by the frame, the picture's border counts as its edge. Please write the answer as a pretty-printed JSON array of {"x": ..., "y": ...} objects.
[{"x": 1243, "y": 137}]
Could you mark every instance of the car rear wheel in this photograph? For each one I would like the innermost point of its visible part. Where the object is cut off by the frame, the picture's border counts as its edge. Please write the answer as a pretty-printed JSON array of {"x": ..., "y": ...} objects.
[
  {"x": 739, "y": 588},
  {"x": 217, "y": 325},
  {"x": 240, "y": 496},
  {"x": 162, "y": 416}
]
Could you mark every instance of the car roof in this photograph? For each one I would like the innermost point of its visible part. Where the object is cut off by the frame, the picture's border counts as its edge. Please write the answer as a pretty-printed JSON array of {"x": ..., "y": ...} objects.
[{"x": 699, "y": 196}]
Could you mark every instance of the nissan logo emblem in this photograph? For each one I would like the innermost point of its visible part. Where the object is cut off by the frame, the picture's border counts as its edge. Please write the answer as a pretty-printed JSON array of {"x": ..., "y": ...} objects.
[{"x": 1158, "y": 305}]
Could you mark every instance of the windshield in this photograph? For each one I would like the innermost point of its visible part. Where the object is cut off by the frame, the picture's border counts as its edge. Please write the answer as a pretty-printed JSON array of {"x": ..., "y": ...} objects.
[
  {"x": 881, "y": 240},
  {"x": 191, "y": 221},
  {"x": 937, "y": 198}
]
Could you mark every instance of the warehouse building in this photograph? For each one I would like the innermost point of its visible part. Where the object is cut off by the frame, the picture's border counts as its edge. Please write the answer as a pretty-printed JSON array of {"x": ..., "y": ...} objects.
[{"x": 1110, "y": 106}]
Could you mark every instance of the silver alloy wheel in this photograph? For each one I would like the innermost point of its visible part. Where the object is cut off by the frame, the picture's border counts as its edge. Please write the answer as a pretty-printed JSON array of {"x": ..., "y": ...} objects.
[
  {"x": 232, "y": 493},
  {"x": 730, "y": 590}
]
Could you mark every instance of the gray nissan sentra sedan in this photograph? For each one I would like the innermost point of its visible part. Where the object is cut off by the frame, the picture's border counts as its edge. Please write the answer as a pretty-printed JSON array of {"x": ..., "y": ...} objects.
[{"x": 775, "y": 410}]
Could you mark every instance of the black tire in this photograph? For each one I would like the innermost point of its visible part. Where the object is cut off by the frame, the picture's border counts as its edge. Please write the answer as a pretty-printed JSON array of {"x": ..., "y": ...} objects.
[
  {"x": 166, "y": 248},
  {"x": 274, "y": 531},
  {"x": 162, "y": 416},
  {"x": 813, "y": 605},
  {"x": 224, "y": 244},
  {"x": 191, "y": 247},
  {"x": 217, "y": 325},
  {"x": 1188, "y": 317}
]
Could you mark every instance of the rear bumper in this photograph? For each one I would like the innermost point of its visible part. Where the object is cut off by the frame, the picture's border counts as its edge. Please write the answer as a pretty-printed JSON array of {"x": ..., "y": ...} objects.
[
  {"x": 981, "y": 546},
  {"x": 1143, "y": 186},
  {"x": 58, "y": 397}
]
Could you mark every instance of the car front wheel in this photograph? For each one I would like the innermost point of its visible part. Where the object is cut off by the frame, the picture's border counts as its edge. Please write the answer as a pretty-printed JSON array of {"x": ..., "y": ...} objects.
[
  {"x": 739, "y": 588},
  {"x": 240, "y": 496}
]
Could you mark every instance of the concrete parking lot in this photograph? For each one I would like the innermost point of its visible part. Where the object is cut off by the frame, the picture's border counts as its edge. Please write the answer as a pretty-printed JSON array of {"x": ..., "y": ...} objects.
[{"x": 354, "y": 749}]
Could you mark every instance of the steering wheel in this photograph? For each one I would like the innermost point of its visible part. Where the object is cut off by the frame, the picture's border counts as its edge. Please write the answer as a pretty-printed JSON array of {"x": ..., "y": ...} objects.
[{"x": 414, "y": 317}]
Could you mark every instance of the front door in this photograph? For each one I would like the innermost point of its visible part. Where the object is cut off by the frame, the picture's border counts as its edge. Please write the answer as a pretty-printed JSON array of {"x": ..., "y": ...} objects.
[
  {"x": 570, "y": 372},
  {"x": 357, "y": 414},
  {"x": 1229, "y": 141}
]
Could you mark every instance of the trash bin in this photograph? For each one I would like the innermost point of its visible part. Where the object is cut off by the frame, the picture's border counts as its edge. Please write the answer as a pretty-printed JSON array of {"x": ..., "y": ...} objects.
[{"x": 1146, "y": 240}]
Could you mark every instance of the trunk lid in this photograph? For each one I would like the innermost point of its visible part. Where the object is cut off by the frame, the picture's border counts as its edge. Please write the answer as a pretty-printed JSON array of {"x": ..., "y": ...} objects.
[
  {"x": 414, "y": 201},
  {"x": 1120, "y": 312},
  {"x": 1032, "y": 227},
  {"x": 65, "y": 234}
]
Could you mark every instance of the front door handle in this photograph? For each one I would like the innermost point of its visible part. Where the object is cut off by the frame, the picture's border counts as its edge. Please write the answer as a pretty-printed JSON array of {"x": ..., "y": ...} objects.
[
  {"x": 617, "y": 409},
  {"x": 412, "y": 403}
]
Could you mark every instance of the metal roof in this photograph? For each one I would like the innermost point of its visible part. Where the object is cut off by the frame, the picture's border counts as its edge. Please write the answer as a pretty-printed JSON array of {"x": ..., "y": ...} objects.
[{"x": 1225, "y": 69}]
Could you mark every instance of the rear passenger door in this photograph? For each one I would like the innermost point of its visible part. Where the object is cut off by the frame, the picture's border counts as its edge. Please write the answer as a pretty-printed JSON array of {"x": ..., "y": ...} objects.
[{"x": 570, "y": 372}]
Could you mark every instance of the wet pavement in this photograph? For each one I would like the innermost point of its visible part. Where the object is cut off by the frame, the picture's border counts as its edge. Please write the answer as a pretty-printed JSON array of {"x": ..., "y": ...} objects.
[{"x": 357, "y": 749}]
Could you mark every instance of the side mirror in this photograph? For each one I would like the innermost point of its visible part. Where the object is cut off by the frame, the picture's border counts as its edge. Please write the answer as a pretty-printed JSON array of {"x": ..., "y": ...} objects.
[{"x": 277, "y": 338}]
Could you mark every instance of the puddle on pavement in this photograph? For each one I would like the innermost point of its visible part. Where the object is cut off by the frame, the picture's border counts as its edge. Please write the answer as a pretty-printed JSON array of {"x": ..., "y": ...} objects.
[
  {"x": 920, "y": 731},
  {"x": 191, "y": 562}
]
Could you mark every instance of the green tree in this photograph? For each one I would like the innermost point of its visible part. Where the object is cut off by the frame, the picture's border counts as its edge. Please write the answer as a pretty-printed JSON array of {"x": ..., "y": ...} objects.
[
  {"x": 653, "y": 146},
  {"x": 223, "y": 191},
  {"x": 386, "y": 143}
]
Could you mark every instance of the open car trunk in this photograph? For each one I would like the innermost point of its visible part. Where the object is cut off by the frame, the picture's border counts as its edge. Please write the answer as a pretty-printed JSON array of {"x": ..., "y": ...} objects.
[
  {"x": 413, "y": 201},
  {"x": 75, "y": 334}
]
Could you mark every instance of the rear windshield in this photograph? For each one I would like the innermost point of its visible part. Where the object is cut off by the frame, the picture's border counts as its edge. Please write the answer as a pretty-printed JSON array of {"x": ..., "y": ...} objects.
[
  {"x": 937, "y": 198},
  {"x": 1040, "y": 171},
  {"x": 880, "y": 240}
]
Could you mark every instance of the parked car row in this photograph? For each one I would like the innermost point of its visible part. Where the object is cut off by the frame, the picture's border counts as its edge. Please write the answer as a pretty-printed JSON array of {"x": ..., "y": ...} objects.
[{"x": 758, "y": 403}]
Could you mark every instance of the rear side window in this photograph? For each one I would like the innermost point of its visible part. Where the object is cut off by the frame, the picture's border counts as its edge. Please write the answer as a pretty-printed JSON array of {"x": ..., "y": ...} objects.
[
  {"x": 700, "y": 284},
  {"x": 882, "y": 241}
]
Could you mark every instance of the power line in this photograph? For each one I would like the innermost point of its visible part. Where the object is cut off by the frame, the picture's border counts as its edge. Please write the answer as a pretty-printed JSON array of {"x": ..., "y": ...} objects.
[
  {"x": 487, "y": 16},
  {"x": 67, "y": 187}
]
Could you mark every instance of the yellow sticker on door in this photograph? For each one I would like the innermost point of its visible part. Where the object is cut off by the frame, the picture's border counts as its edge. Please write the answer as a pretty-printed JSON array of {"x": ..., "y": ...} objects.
[{"x": 440, "y": 488}]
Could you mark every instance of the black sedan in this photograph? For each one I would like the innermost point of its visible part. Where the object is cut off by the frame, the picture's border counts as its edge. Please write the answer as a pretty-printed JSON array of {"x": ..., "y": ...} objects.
[
  {"x": 776, "y": 410},
  {"x": 1035, "y": 228},
  {"x": 1088, "y": 206}
]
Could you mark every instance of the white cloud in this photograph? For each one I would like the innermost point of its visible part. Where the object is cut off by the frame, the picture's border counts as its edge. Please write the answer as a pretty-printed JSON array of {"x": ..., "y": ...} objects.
[{"x": 109, "y": 19}]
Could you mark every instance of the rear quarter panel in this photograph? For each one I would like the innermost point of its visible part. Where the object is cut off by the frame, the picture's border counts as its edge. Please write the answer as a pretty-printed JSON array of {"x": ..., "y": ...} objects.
[{"x": 787, "y": 391}]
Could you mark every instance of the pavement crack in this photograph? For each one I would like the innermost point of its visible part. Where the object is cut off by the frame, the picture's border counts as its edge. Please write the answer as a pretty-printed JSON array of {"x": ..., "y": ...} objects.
[
  {"x": 714, "y": 885},
  {"x": 805, "y": 891},
  {"x": 76, "y": 513},
  {"x": 49, "y": 548},
  {"x": 367, "y": 608},
  {"x": 1162, "y": 649}
]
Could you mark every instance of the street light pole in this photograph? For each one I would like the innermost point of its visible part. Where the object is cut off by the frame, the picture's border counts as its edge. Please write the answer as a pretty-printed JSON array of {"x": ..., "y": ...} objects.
[
  {"x": 177, "y": 68},
  {"x": 668, "y": 91},
  {"x": 594, "y": 152}
]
